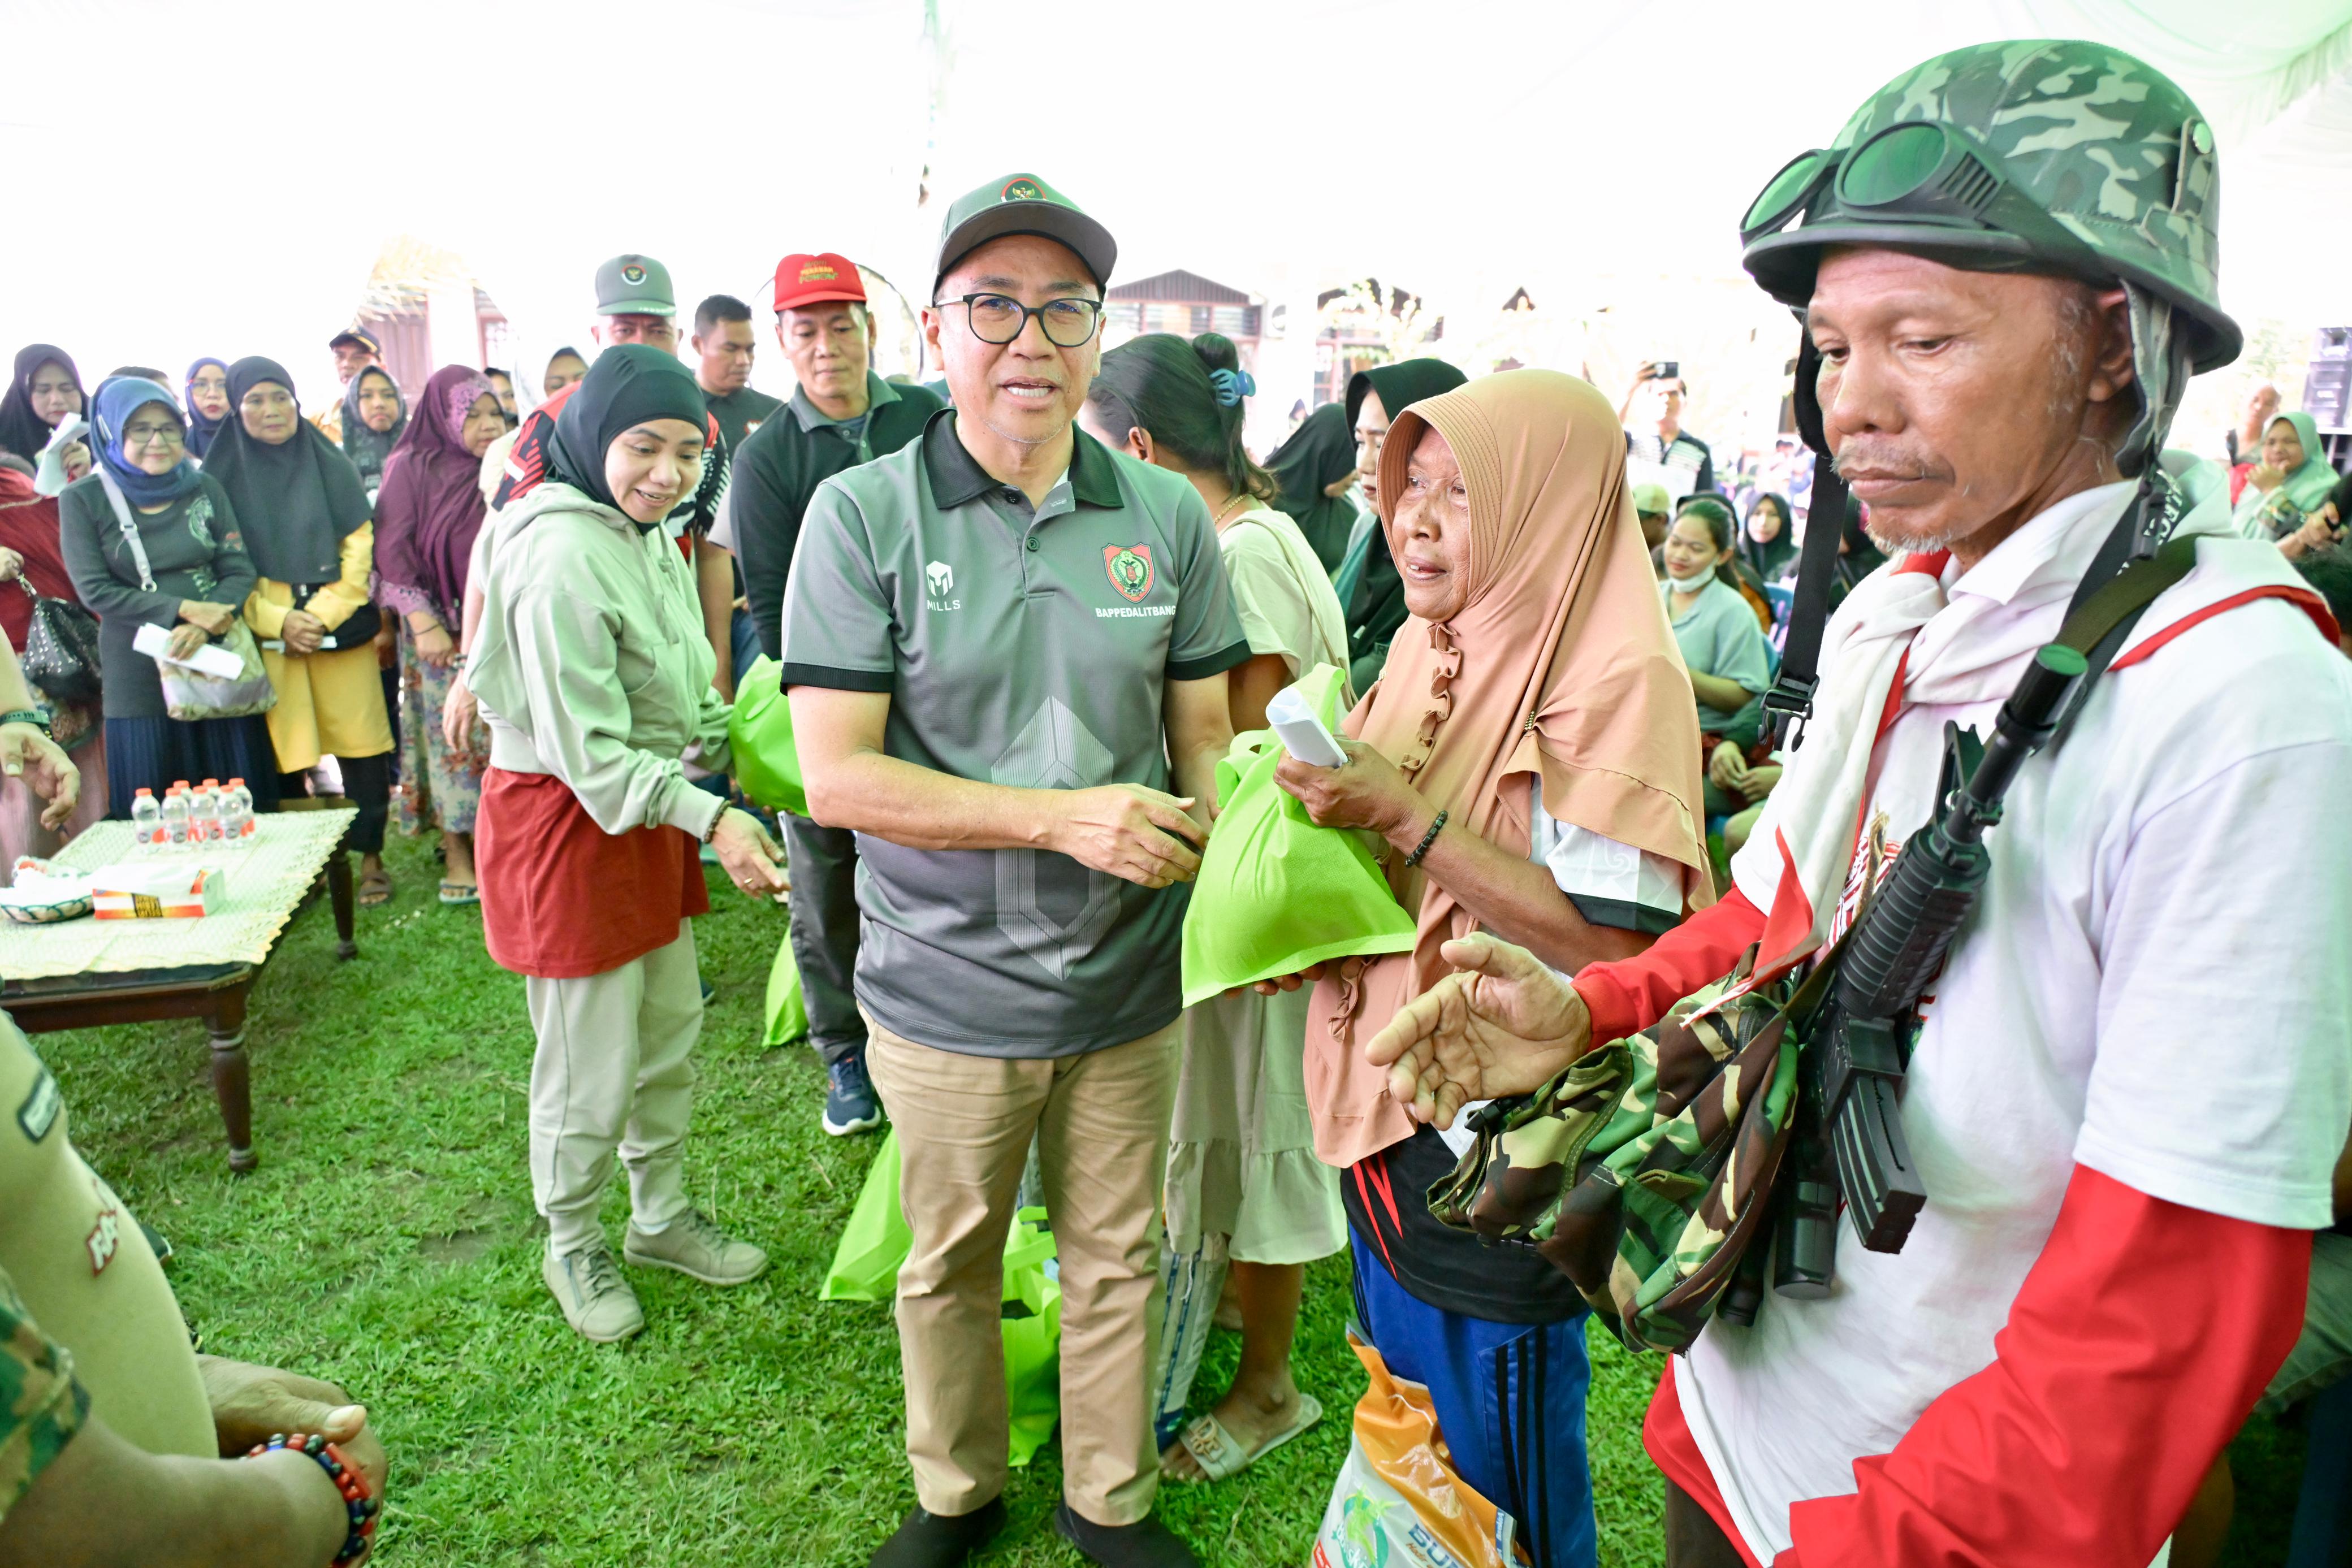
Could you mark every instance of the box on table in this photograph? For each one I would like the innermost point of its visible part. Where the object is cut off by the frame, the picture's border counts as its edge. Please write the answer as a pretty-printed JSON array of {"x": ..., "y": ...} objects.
[{"x": 147, "y": 891}]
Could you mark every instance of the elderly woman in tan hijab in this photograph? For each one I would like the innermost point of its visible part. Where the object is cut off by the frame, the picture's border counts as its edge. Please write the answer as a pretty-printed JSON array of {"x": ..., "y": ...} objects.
[{"x": 1530, "y": 756}]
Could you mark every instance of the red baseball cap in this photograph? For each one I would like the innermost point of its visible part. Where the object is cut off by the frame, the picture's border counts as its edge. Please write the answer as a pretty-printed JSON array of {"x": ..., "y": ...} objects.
[{"x": 814, "y": 279}]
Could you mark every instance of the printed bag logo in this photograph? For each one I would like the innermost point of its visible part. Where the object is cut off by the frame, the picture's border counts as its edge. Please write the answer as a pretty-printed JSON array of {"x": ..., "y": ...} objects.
[
  {"x": 1021, "y": 188},
  {"x": 1129, "y": 569}
]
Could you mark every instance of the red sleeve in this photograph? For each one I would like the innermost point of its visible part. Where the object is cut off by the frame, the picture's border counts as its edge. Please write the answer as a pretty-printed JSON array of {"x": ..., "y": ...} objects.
[
  {"x": 1632, "y": 994},
  {"x": 2136, "y": 1349}
]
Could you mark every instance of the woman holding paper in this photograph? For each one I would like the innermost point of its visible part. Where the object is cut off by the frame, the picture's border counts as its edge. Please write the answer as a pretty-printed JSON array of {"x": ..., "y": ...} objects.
[
  {"x": 186, "y": 574},
  {"x": 308, "y": 527},
  {"x": 1530, "y": 755}
]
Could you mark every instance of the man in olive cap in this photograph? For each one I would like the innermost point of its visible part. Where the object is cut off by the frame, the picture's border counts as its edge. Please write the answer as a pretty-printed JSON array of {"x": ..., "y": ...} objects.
[
  {"x": 2132, "y": 1075},
  {"x": 1006, "y": 648}
]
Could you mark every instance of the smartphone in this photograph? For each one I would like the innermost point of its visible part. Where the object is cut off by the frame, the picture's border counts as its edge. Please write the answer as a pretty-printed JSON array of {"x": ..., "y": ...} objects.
[{"x": 1668, "y": 371}]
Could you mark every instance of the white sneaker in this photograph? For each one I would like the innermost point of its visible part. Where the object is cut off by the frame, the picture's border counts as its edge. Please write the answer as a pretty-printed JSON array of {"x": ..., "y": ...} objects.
[
  {"x": 596, "y": 1300},
  {"x": 697, "y": 1249}
]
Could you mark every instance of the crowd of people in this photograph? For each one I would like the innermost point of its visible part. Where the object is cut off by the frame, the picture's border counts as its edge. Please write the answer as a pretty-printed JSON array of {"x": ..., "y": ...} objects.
[{"x": 1022, "y": 612}]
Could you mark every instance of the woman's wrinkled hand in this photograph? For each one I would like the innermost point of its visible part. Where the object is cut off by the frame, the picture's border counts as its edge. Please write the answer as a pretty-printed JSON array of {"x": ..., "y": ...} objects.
[
  {"x": 458, "y": 711},
  {"x": 1502, "y": 1023},
  {"x": 1368, "y": 793}
]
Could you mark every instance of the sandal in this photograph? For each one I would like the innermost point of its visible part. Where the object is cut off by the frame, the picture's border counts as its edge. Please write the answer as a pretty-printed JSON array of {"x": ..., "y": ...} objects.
[
  {"x": 375, "y": 888},
  {"x": 1213, "y": 1448},
  {"x": 454, "y": 894}
]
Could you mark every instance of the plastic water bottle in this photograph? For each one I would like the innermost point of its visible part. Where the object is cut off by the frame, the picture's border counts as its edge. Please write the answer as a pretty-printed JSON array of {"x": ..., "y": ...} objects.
[
  {"x": 176, "y": 816},
  {"x": 237, "y": 812},
  {"x": 146, "y": 821},
  {"x": 204, "y": 814}
]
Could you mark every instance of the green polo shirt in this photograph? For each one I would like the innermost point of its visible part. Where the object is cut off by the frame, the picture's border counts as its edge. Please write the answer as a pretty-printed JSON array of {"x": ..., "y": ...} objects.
[{"x": 1022, "y": 646}]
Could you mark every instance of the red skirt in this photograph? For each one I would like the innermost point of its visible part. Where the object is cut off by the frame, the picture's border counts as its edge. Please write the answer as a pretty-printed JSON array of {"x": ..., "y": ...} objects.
[{"x": 563, "y": 898}]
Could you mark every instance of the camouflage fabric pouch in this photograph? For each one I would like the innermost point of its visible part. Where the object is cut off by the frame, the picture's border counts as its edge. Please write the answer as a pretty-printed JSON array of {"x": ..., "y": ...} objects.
[{"x": 1644, "y": 1170}]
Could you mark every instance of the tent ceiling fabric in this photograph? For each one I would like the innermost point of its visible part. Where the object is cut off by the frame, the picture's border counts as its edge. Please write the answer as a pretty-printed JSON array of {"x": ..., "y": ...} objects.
[{"x": 1462, "y": 151}]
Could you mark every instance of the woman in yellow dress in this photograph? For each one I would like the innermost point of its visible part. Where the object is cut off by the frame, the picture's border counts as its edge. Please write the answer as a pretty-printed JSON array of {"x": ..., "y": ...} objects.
[{"x": 307, "y": 526}]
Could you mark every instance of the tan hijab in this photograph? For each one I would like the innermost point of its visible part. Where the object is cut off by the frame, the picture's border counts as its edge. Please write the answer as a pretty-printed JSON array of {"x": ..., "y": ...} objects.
[{"x": 1561, "y": 663}]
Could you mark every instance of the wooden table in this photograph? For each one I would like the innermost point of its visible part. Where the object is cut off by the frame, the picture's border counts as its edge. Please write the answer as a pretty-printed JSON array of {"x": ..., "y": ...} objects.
[{"x": 215, "y": 993}]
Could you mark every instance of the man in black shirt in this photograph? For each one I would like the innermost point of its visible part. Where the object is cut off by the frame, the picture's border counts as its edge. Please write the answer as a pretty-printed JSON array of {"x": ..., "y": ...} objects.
[
  {"x": 840, "y": 415},
  {"x": 723, "y": 342},
  {"x": 1658, "y": 449}
]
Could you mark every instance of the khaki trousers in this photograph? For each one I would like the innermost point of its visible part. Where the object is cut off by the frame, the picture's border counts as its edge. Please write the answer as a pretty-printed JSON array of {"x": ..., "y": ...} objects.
[
  {"x": 964, "y": 1125},
  {"x": 611, "y": 1074}
]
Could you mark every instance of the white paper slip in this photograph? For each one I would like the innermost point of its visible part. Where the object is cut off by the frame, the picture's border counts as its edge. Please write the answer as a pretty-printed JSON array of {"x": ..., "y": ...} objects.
[
  {"x": 1302, "y": 730},
  {"x": 212, "y": 659}
]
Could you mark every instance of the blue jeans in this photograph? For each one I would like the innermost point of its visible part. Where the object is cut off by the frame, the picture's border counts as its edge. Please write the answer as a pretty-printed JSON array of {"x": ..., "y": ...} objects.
[{"x": 1510, "y": 1402}]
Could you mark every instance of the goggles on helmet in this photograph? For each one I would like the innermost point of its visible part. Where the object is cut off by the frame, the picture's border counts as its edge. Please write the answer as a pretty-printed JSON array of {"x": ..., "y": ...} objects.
[{"x": 1923, "y": 172}]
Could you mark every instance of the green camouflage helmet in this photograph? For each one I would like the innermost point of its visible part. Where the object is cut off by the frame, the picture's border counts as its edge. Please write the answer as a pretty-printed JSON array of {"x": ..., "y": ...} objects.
[{"x": 2100, "y": 168}]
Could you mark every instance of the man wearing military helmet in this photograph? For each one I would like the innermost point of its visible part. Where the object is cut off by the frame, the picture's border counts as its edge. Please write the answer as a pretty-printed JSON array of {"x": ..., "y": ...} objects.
[{"x": 2132, "y": 1078}]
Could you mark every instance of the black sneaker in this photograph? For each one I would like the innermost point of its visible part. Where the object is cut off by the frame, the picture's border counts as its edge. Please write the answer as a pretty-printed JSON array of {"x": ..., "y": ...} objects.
[
  {"x": 1146, "y": 1543},
  {"x": 850, "y": 1104},
  {"x": 933, "y": 1540}
]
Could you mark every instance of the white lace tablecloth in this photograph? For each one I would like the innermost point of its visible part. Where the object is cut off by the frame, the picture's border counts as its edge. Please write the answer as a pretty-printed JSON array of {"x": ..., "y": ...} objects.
[{"x": 264, "y": 879}]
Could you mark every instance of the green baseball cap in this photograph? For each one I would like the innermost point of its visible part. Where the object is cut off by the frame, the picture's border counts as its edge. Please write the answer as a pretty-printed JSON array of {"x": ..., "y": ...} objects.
[
  {"x": 634, "y": 285},
  {"x": 1023, "y": 204}
]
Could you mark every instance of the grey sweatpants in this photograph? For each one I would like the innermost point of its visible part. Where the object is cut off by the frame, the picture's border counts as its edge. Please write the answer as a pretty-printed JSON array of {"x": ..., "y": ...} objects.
[
  {"x": 825, "y": 933},
  {"x": 611, "y": 1074}
]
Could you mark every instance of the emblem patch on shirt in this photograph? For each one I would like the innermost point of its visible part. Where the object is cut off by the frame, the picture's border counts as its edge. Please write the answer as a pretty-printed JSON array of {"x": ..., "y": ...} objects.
[
  {"x": 1128, "y": 567},
  {"x": 939, "y": 581},
  {"x": 39, "y": 1112},
  {"x": 106, "y": 1236}
]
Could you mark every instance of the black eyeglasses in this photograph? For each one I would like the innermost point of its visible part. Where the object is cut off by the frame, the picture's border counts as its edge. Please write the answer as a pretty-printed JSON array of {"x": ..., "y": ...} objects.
[{"x": 998, "y": 318}]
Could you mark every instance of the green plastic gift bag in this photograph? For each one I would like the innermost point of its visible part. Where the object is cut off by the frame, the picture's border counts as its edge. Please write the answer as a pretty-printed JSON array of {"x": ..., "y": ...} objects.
[
  {"x": 1032, "y": 1326},
  {"x": 875, "y": 1242},
  {"x": 1275, "y": 892},
  {"x": 865, "y": 1269},
  {"x": 760, "y": 735},
  {"x": 787, "y": 1009}
]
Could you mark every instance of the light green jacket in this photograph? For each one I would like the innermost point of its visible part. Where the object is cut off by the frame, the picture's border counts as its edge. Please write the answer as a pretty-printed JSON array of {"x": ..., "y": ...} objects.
[{"x": 590, "y": 663}]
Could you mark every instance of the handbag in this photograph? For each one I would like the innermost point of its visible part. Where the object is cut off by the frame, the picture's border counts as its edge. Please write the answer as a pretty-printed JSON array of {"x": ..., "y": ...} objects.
[
  {"x": 191, "y": 694},
  {"x": 60, "y": 653}
]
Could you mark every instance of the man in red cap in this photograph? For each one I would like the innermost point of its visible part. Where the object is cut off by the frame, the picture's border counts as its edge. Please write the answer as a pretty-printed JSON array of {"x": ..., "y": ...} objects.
[{"x": 840, "y": 415}]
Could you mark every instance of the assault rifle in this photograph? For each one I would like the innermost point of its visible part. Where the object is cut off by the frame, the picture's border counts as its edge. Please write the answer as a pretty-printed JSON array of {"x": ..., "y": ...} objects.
[{"x": 1848, "y": 1138}]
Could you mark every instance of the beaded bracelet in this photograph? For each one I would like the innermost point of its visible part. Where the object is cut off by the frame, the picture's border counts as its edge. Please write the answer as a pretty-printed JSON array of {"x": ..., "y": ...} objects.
[
  {"x": 1427, "y": 838},
  {"x": 358, "y": 1504}
]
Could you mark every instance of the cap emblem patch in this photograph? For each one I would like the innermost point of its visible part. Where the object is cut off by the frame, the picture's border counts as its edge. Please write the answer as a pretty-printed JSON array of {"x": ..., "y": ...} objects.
[
  {"x": 1021, "y": 188},
  {"x": 817, "y": 272},
  {"x": 632, "y": 274}
]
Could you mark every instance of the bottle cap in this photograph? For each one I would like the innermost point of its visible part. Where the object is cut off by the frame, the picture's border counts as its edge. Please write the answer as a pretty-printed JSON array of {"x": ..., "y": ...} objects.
[
  {"x": 237, "y": 783},
  {"x": 179, "y": 783},
  {"x": 211, "y": 783},
  {"x": 146, "y": 792}
]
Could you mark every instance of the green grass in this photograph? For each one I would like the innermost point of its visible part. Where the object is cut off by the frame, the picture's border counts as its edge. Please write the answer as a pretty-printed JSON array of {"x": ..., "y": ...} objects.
[{"x": 388, "y": 1242}]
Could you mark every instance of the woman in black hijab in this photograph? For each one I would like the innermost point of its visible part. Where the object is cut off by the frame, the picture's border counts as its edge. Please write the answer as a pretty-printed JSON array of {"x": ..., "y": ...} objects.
[
  {"x": 307, "y": 526},
  {"x": 1313, "y": 472},
  {"x": 1768, "y": 546},
  {"x": 44, "y": 391},
  {"x": 595, "y": 678},
  {"x": 1376, "y": 609},
  {"x": 372, "y": 395}
]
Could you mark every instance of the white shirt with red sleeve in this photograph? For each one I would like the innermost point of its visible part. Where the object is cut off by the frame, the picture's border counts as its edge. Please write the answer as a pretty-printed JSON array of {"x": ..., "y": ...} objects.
[{"x": 2153, "y": 986}]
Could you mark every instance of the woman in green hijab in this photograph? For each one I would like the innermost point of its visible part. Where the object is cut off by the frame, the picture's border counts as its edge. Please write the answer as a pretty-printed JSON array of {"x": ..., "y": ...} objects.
[{"x": 2291, "y": 480}]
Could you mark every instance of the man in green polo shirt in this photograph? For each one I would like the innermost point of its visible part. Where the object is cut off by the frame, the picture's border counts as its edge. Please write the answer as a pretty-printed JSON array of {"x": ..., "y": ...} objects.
[{"x": 1007, "y": 650}]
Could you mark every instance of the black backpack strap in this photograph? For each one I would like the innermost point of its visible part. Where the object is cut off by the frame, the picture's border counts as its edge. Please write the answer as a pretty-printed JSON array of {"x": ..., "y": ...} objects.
[
  {"x": 2136, "y": 562},
  {"x": 1790, "y": 703}
]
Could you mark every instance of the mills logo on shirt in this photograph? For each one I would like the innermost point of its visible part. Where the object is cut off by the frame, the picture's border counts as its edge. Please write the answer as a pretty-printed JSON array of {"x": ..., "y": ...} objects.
[{"x": 939, "y": 581}]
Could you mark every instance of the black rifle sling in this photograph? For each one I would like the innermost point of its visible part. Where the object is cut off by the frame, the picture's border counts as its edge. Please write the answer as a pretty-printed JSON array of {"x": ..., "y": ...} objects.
[{"x": 1790, "y": 703}]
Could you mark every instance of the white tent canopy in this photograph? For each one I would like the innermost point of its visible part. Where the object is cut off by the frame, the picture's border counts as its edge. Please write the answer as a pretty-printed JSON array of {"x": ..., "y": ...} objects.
[{"x": 219, "y": 179}]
